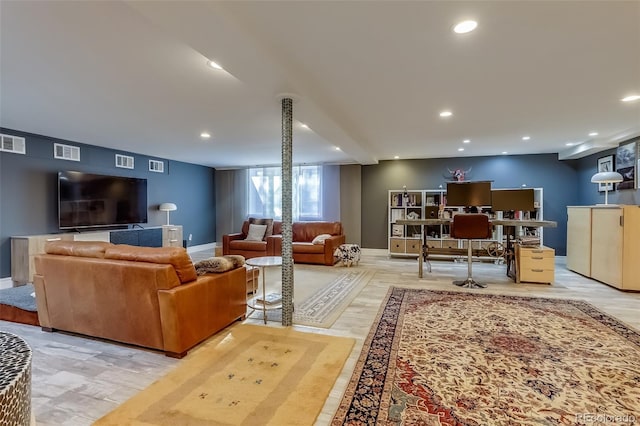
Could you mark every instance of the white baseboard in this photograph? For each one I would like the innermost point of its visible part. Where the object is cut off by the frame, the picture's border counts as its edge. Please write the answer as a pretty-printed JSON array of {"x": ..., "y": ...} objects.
[
  {"x": 6, "y": 282},
  {"x": 209, "y": 246}
]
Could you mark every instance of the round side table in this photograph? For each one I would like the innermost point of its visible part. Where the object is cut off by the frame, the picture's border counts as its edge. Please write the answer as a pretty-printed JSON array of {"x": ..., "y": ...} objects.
[
  {"x": 264, "y": 302},
  {"x": 15, "y": 380}
]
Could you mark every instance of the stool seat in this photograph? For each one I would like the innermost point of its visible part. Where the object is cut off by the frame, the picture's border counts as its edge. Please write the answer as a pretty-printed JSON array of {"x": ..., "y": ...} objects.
[
  {"x": 348, "y": 254},
  {"x": 469, "y": 227}
]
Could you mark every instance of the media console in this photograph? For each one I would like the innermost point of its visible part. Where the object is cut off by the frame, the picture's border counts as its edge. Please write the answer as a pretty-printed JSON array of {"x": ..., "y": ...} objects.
[{"x": 25, "y": 248}]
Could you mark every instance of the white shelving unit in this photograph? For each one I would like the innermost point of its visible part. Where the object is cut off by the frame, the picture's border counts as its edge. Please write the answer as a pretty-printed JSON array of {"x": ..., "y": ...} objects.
[{"x": 405, "y": 240}]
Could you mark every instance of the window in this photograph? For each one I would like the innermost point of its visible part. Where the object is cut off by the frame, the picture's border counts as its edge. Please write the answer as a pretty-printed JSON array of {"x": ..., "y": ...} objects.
[{"x": 265, "y": 192}]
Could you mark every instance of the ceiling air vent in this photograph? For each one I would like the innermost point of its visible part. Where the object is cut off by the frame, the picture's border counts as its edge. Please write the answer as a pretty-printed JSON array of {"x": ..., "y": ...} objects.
[
  {"x": 66, "y": 152},
  {"x": 156, "y": 166},
  {"x": 124, "y": 161},
  {"x": 13, "y": 144}
]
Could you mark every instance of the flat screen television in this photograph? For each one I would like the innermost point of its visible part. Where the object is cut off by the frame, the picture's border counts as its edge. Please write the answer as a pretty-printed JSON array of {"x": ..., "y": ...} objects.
[
  {"x": 512, "y": 199},
  {"x": 467, "y": 194},
  {"x": 89, "y": 200}
]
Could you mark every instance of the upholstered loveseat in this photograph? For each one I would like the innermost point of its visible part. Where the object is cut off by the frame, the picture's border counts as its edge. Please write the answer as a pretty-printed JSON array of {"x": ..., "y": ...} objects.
[
  {"x": 150, "y": 297},
  {"x": 303, "y": 248}
]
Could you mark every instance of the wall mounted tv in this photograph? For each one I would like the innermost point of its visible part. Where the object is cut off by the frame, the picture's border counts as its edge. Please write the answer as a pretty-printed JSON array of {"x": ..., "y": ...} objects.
[
  {"x": 466, "y": 194},
  {"x": 88, "y": 200}
]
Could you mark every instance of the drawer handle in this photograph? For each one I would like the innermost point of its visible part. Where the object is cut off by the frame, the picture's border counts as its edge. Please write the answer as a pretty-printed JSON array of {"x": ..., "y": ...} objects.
[
  {"x": 54, "y": 239},
  {"x": 537, "y": 251},
  {"x": 537, "y": 270},
  {"x": 537, "y": 257},
  {"x": 173, "y": 241}
]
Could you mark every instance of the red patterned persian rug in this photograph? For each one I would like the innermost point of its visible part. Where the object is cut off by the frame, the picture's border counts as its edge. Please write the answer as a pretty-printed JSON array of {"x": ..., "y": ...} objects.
[{"x": 457, "y": 358}]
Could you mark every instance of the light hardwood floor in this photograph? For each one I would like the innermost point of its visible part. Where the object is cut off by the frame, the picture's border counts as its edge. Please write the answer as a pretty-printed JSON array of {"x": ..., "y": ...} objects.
[{"x": 77, "y": 380}]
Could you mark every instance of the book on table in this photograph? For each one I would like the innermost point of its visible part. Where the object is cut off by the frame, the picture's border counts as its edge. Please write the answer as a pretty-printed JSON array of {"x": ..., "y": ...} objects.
[{"x": 270, "y": 299}]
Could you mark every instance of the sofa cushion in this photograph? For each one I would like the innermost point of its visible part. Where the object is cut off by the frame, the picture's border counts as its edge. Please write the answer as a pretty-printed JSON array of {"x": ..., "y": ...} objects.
[
  {"x": 256, "y": 232},
  {"x": 77, "y": 248},
  {"x": 219, "y": 264},
  {"x": 248, "y": 245},
  {"x": 175, "y": 256},
  {"x": 307, "y": 248}
]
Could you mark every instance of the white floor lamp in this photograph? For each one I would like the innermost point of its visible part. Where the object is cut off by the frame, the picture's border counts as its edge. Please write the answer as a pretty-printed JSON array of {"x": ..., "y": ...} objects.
[
  {"x": 168, "y": 207},
  {"x": 606, "y": 178}
]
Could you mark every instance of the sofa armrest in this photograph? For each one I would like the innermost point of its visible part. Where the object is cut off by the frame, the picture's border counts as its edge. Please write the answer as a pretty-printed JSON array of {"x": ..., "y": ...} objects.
[
  {"x": 41, "y": 301},
  {"x": 192, "y": 312},
  {"x": 330, "y": 245},
  {"x": 274, "y": 245},
  {"x": 226, "y": 239}
]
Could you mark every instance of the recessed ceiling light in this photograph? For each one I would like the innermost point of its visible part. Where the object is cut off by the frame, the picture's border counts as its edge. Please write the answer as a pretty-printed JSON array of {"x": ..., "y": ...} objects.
[
  {"x": 446, "y": 114},
  {"x": 569, "y": 144},
  {"x": 526, "y": 138},
  {"x": 205, "y": 135},
  {"x": 338, "y": 148},
  {"x": 460, "y": 149},
  {"x": 396, "y": 157},
  {"x": 304, "y": 126},
  {"x": 466, "y": 141},
  {"x": 504, "y": 152},
  {"x": 593, "y": 134},
  {"x": 630, "y": 98},
  {"x": 214, "y": 65},
  {"x": 465, "y": 27}
]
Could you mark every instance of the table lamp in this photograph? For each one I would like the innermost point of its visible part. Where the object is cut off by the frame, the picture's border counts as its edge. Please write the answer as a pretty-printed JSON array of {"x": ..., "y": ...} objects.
[
  {"x": 168, "y": 207},
  {"x": 606, "y": 178}
]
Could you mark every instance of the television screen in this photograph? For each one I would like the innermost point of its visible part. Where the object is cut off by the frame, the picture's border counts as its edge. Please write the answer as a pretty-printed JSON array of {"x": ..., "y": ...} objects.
[
  {"x": 512, "y": 199},
  {"x": 89, "y": 200},
  {"x": 466, "y": 194}
]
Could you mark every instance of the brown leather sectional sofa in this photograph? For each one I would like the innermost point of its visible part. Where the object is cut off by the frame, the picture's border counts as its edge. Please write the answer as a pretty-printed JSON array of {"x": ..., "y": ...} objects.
[
  {"x": 144, "y": 296},
  {"x": 303, "y": 233}
]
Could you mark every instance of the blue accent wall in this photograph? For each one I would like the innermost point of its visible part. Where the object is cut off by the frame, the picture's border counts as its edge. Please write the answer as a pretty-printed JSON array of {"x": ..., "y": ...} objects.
[
  {"x": 29, "y": 193},
  {"x": 559, "y": 180}
]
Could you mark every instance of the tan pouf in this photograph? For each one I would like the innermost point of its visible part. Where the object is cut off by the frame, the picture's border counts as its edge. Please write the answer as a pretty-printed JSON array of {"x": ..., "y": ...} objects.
[{"x": 15, "y": 380}]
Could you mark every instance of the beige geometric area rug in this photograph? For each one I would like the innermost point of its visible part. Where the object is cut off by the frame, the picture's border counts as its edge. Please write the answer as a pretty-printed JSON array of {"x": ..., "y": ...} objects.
[
  {"x": 458, "y": 358},
  {"x": 321, "y": 293},
  {"x": 248, "y": 375}
]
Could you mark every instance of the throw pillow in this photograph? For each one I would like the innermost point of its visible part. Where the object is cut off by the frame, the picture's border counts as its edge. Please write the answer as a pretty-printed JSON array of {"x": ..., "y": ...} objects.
[
  {"x": 262, "y": 221},
  {"x": 320, "y": 238},
  {"x": 256, "y": 232},
  {"x": 214, "y": 264}
]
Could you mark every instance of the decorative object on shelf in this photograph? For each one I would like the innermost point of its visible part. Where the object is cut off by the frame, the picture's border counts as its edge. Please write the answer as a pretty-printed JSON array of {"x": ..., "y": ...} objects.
[
  {"x": 458, "y": 174},
  {"x": 168, "y": 207},
  {"x": 606, "y": 178},
  {"x": 626, "y": 165}
]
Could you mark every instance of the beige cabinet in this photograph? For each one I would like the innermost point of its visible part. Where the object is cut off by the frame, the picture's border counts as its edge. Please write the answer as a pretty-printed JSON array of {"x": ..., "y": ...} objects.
[
  {"x": 171, "y": 236},
  {"x": 23, "y": 251},
  {"x": 579, "y": 240},
  {"x": 613, "y": 241},
  {"x": 535, "y": 264}
]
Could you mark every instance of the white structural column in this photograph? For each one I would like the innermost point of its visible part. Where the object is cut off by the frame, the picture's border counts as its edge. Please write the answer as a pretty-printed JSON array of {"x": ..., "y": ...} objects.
[{"x": 287, "y": 254}]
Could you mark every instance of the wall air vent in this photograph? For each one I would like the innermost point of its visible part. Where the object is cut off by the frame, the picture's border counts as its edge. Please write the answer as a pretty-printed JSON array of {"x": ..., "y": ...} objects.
[
  {"x": 124, "y": 161},
  {"x": 13, "y": 144},
  {"x": 66, "y": 152},
  {"x": 156, "y": 166}
]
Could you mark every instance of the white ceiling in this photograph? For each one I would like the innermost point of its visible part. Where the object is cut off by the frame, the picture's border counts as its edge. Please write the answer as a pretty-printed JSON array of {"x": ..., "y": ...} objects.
[{"x": 370, "y": 76}]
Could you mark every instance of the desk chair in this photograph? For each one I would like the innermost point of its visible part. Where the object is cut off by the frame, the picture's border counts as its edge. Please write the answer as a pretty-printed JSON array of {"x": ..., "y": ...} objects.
[{"x": 470, "y": 227}]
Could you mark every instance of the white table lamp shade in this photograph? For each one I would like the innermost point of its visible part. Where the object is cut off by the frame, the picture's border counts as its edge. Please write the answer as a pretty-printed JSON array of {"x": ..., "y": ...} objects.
[
  {"x": 606, "y": 178},
  {"x": 168, "y": 207}
]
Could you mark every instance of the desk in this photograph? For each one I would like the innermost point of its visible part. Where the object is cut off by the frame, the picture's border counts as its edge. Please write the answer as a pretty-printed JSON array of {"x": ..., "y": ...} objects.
[
  {"x": 262, "y": 302},
  {"x": 509, "y": 223}
]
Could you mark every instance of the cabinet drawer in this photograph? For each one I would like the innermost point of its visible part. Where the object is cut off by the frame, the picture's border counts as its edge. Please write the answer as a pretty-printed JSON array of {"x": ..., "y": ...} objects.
[
  {"x": 537, "y": 275},
  {"x": 397, "y": 245},
  {"x": 413, "y": 246},
  {"x": 537, "y": 252},
  {"x": 537, "y": 262}
]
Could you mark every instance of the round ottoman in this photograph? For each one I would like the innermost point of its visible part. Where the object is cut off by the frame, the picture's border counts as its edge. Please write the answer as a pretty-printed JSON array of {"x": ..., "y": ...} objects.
[
  {"x": 15, "y": 380},
  {"x": 348, "y": 254}
]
